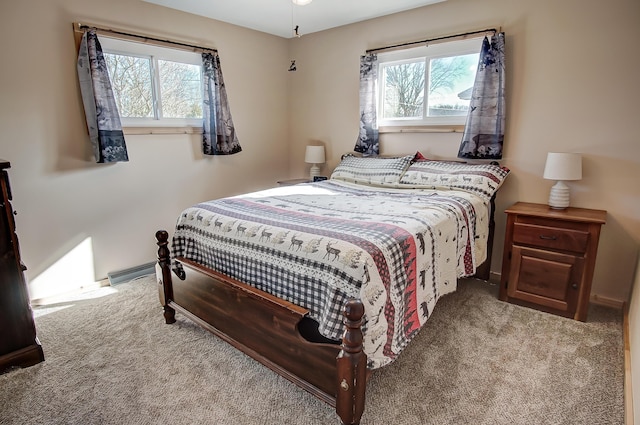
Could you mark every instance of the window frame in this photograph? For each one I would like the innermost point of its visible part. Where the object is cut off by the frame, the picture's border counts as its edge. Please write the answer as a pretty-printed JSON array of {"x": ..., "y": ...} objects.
[
  {"x": 118, "y": 46},
  {"x": 427, "y": 53}
]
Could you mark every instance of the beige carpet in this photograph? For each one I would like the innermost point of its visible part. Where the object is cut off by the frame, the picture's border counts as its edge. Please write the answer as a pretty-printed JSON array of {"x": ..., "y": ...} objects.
[{"x": 112, "y": 360}]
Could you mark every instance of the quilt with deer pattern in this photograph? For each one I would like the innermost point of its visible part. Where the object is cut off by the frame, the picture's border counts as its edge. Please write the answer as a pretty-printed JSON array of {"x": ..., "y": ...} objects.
[{"x": 319, "y": 244}]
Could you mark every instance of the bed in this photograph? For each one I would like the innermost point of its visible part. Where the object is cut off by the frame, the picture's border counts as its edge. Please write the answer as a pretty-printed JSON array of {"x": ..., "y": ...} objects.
[{"x": 328, "y": 281}]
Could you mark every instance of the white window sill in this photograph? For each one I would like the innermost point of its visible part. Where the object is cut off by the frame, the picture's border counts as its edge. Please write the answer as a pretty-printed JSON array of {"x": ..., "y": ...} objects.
[
  {"x": 422, "y": 129},
  {"x": 161, "y": 130}
]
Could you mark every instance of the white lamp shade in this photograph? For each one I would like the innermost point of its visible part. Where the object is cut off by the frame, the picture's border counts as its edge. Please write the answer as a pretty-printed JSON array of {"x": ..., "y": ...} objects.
[
  {"x": 301, "y": 2},
  {"x": 563, "y": 166},
  {"x": 314, "y": 155}
]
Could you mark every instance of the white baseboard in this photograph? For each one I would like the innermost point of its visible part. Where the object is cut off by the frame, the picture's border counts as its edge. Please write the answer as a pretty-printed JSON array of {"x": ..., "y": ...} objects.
[
  {"x": 606, "y": 301},
  {"x": 131, "y": 273},
  {"x": 494, "y": 277}
]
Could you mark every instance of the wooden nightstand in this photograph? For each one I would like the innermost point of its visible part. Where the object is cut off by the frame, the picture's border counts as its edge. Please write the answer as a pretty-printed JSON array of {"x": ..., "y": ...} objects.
[{"x": 549, "y": 257}]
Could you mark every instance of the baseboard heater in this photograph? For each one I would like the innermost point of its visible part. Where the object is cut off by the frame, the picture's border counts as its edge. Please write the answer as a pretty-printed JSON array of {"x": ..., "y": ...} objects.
[{"x": 131, "y": 273}]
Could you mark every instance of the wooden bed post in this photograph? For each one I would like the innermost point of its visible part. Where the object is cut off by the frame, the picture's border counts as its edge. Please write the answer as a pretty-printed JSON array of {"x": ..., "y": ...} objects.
[
  {"x": 484, "y": 270},
  {"x": 163, "y": 276},
  {"x": 351, "y": 366}
]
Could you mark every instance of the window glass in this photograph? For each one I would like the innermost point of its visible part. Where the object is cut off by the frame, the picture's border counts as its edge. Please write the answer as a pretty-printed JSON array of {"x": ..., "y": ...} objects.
[
  {"x": 180, "y": 91},
  {"x": 450, "y": 84},
  {"x": 403, "y": 90},
  {"x": 428, "y": 85},
  {"x": 154, "y": 86},
  {"x": 131, "y": 82}
]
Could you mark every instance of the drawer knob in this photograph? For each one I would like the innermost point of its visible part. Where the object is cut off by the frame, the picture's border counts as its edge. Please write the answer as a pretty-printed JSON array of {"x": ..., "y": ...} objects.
[
  {"x": 574, "y": 286},
  {"x": 548, "y": 238}
]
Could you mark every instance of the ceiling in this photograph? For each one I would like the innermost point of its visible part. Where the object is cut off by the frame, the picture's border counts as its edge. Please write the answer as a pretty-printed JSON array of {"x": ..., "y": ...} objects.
[{"x": 279, "y": 17}]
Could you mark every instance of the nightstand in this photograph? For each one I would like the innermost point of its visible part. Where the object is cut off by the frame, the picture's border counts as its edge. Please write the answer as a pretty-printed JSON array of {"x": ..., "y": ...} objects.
[
  {"x": 293, "y": 181},
  {"x": 549, "y": 257}
]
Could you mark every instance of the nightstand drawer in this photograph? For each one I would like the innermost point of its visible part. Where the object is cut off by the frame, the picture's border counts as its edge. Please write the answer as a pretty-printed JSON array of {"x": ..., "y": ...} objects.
[{"x": 550, "y": 237}]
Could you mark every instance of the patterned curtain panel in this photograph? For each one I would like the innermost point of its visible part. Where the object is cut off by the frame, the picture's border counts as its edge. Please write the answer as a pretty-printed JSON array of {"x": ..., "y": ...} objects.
[
  {"x": 219, "y": 135},
  {"x": 484, "y": 131},
  {"x": 100, "y": 109},
  {"x": 367, "y": 142}
]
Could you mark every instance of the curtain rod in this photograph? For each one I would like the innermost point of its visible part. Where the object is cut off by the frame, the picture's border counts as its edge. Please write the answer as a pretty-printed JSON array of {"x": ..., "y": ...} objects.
[
  {"x": 431, "y": 40},
  {"x": 78, "y": 27}
]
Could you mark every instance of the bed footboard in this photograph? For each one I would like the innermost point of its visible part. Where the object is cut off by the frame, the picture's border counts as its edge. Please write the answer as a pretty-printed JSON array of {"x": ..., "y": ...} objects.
[{"x": 268, "y": 329}]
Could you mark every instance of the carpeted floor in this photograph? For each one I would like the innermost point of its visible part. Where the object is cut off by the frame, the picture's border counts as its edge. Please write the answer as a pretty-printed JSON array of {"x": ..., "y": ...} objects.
[{"x": 112, "y": 360}]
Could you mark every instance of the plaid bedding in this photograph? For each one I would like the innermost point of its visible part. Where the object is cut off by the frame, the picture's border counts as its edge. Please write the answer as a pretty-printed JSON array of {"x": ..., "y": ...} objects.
[{"x": 318, "y": 244}]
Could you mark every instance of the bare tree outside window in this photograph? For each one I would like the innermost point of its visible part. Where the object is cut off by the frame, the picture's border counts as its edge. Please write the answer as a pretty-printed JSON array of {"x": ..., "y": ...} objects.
[
  {"x": 404, "y": 87},
  {"x": 404, "y": 90},
  {"x": 180, "y": 90},
  {"x": 179, "y": 85},
  {"x": 449, "y": 76},
  {"x": 131, "y": 83}
]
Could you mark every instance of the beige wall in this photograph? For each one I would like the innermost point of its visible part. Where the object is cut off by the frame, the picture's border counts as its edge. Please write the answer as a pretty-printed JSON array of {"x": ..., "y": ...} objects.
[
  {"x": 571, "y": 86},
  {"x": 61, "y": 197}
]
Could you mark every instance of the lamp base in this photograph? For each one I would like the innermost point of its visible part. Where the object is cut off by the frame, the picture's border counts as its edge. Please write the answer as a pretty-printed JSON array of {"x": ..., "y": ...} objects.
[
  {"x": 559, "y": 196},
  {"x": 314, "y": 171}
]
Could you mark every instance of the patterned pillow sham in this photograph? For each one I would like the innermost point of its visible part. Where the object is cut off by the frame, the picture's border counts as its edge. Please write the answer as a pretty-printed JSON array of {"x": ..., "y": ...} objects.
[
  {"x": 481, "y": 179},
  {"x": 372, "y": 170}
]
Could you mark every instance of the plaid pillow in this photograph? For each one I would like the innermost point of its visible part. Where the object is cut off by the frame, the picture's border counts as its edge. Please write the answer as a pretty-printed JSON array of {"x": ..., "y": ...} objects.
[
  {"x": 372, "y": 170},
  {"x": 481, "y": 179}
]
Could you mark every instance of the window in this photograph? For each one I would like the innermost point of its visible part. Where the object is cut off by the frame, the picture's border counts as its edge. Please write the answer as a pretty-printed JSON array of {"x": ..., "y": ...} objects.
[
  {"x": 154, "y": 86},
  {"x": 427, "y": 85}
]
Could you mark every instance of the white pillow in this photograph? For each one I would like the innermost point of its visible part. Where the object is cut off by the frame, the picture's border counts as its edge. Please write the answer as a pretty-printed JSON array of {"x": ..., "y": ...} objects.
[
  {"x": 372, "y": 170},
  {"x": 481, "y": 179}
]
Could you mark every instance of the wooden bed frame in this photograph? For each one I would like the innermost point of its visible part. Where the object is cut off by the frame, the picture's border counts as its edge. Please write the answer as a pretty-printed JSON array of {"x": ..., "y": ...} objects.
[{"x": 275, "y": 332}]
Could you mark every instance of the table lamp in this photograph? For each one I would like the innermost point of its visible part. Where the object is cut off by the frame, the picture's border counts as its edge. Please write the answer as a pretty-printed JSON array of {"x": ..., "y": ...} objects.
[
  {"x": 562, "y": 167},
  {"x": 314, "y": 155}
]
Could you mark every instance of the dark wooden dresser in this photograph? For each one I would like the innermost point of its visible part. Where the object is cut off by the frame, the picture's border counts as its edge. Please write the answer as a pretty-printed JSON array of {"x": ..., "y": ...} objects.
[{"x": 19, "y": 345}]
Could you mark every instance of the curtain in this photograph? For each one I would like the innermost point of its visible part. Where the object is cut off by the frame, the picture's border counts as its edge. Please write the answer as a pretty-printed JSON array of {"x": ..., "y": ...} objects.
[
  {"x": 484, "y": 130},
  {"x": 100, "y": 109},
  {"x": 367, "y": 142},
  {"x": 219, "y": 135}
]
